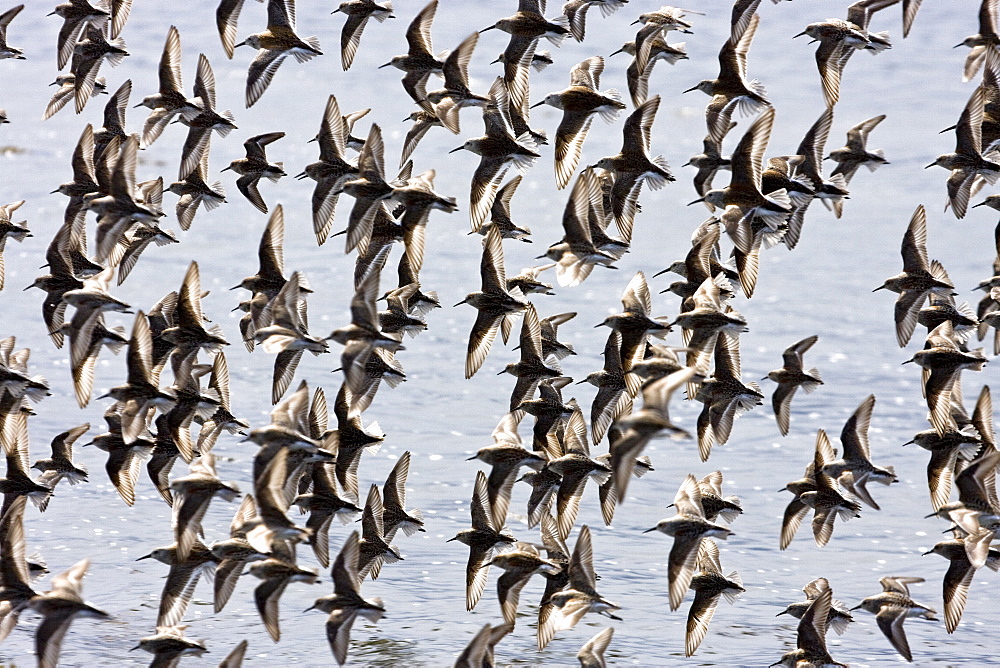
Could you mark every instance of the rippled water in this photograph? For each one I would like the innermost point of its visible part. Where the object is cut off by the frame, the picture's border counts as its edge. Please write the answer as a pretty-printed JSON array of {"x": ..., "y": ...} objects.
[{"x": 824, "y": 287}]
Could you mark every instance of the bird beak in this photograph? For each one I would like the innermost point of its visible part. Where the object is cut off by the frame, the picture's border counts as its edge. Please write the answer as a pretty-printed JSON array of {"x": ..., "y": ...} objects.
[
  {"x": 881, "y": 287},
  {"x": 537, "y": 104},
  {"x": 930, "y": 165},
  {"x": 225, "y": 168},
  {"x": 690, "y": 89},
  {"x": 799, "y": 35},
  {"x": 927, "y": 517},
  {"x": 648, "y": 530},
  {"x": 909, "y": 442},
  {"x": 485, "y": 29},
  {"x": 958, "y": 45},
  {"x": 470, "y": 458},
  {"x": 907, "y": 361},
  {"x": 857, "y": 607},
  {"x": 983, "y": 203},
  {"x": 244, "y": 42},
  {"x": 696, "y": 201},
  {"x": 456, "y": 149},
  {"x": 136, "y": 106},
  {"x": 145, "y": 557},
  {"x": 924, "y": 554},
  {"x": 783, "y": 612},
  {"x": 380, "y": 67},
  {"x": 492, "y": 63}
]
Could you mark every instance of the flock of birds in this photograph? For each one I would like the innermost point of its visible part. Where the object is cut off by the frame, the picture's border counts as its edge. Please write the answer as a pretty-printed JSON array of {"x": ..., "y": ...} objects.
[{"x": 304, "y": 460}]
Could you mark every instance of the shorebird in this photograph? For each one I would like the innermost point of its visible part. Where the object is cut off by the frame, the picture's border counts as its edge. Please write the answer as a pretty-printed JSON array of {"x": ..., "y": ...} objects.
[
  {"x": 968, "y": 165},
  {"x": 579, "y": 103},
  {"x": 808, "y": 170},
  {"x": 835, "y": 38},
  {"x": 708, "y": 584},
  {"x": 77, "y": 15},
  {"x": 482, "y": 539},
  {"x": 525, "y": 28},
  {"x": 15, "y": 580},
  {"x": 919, "y": 278},
  {"x": 796, "y": 510},
  {"x": 141, "y": 391},
  {"x": 789, "y": 378},
  {"x": 394, "y": 515},
  {"x": 273, "y": 44},
  {"x": 66, "y": 92},
  {"x": 422, "y": 122},
  {"x": 613, "y": 395},
  {"x": 742, "y": 199},
  {"x": 943, "y": 361},
  {"x": 480, "y": 650},
  {"x": 572, "y": 462},
  {"x": 708, "y": 319},
  {"x": 518, "y": 564},
  {"x": 287, "y": 336},
  {"x": 958, "y": 577},
  {"x": 192, "y": 495},
  {"x": 358, "y": 12},
  {"x": 505, "y": 457},
  {"x": 638, "y": 80},
  {"x": 170, "y": 100},
  {"x": 498, "y": 150},
  {"x": 688, "y": 527},
  {"x": 983, "y": 41},
  {"x": 591, "y": 655},
  {"x": 580, "y": 597},
  {"x": 855, "y": 154},
  {"x": 255, "y": 166},
  {"x": 496, "y": 305},
  {"x": 88, "y": 54},
  {"x": 368, "y": 189},
  {"x": 169, "y": 644},
  {"x": 201, "y": 124},
  {"x": 419, "y": 62},
  {"x": 811, "y": 636},
  {"x": 892, "y": 606},
  {"x": 634, "y": 323},
  {"x": 977, "y": 511},
  {"x": 633, "y": 166},
  {"x": 855, "y": 469},
  {"x": 346, "y": 603},
  {"x": 194, "y": 190},
  {"x": 532, "y": 366},
  {"x": 180, "y": 583},
  {"x": 445, "y": 102},
  {"x": 731, "y": 89},
  {"x": 839, "y": 617},
  {"x": 59, "y": 607},
  {"x": 825, "y": 498},
  {"x": 576, "y": 254},
  {"x": 639, "y": 427},
  {"x": 60, "y": 465}
]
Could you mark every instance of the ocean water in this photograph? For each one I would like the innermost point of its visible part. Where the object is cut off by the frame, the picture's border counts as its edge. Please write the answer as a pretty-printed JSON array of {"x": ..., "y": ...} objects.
[{"x": 823, "y": 287}]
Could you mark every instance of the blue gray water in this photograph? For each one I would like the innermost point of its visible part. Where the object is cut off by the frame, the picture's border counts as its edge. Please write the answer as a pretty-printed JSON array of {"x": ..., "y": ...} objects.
[{"x": 823, "y": 288}]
